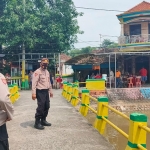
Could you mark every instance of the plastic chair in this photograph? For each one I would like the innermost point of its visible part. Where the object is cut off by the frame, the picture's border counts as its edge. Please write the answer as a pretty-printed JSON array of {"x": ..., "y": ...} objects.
[
  {"x": 138, "y": 81},
  {"x": 130, "y": 84},
  {"x": 107, "y": 82}
]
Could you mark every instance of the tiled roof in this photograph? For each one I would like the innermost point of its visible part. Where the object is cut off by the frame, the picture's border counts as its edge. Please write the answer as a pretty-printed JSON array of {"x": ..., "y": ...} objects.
[
  {"x": 143, "y": 6},
  {"x": 64, "y": 57},
  {"x": 106, "y": 50}
]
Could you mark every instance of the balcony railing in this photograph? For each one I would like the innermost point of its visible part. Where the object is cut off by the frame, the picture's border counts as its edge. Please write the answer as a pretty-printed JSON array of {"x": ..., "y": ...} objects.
[{"x": 134, "y": 39}]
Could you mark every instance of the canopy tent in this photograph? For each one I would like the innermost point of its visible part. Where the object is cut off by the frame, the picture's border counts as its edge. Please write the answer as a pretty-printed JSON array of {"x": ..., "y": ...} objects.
[
  {"x": 116, "y": 55},
  {"x": 104, "y": 57}
]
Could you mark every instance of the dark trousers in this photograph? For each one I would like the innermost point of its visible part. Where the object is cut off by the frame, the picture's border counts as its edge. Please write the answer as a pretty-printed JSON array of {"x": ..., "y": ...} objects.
[
  {"x": 30, "y": 85},
  {"x": 4, "y": 144},
  {"x": 118, "y": 82},
  {"x": 43, "y": 102}
]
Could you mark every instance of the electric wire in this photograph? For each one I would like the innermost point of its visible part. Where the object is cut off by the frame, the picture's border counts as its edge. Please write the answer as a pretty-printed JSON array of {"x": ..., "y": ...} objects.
[{"x": 99, "y": 9}]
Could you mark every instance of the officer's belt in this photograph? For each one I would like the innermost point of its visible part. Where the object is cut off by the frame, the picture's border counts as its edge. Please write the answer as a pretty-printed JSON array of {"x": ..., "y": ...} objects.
[{"x": 42, "y": 90}]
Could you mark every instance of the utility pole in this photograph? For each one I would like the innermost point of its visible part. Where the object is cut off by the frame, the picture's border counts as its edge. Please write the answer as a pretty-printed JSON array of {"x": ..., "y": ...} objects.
[
  {"x": 100, "y": 40},
  {"x": 23, "y": 53},
  {"x": 59, "y": 63},
  {"x": 100, "y": 48}
]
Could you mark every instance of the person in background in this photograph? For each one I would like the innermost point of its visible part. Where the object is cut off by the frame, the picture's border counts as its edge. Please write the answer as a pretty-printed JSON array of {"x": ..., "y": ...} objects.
[
  {"x": 111, "y": 76},
  {"x": 51, "y": 80},
  {"x": 30, "y": 79},
  {"x": 59, "y": 81},
  {"x": 127, "y": 74},
  {"x": 143, "y": 74},
  {"x": 118, "y": 78},
  {"x": 6, "y": 112},
  {"x": 8, "y": 78},
  {"x": 92, "y": 76},
  {"x": 98, "y": 76},
  {"x": 56, "y": 83}
]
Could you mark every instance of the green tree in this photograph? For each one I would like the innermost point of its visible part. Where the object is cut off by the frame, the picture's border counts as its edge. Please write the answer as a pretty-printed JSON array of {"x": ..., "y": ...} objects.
[
  {"x": 113, "y": 45},
  {"x": 107, "y": 43},
  {"x": 76, "y": 52},
  {"x": 87, "y": 50},
  {"x": 39, "y": 25},
  {"x": 2, "y": 6}
]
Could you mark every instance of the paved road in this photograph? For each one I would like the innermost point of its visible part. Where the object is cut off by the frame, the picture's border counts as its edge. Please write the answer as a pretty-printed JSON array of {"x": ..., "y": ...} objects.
[{"x": 69, "y": 130}]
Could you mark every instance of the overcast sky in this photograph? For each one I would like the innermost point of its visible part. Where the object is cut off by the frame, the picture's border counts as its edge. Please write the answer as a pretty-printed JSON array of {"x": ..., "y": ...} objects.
[{"x": 98, "y": 22}]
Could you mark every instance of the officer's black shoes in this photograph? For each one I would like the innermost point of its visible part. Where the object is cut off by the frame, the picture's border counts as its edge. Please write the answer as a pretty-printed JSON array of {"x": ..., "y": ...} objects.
[
  {"x": 38, "y": 125},
  {"x": 45, "y": 123}
]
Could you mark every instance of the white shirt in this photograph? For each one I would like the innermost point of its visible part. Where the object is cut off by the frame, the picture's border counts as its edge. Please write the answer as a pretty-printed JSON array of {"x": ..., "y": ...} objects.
[
  {"x": 111, "y": 75},
  {"x": 6, "y": 108}
]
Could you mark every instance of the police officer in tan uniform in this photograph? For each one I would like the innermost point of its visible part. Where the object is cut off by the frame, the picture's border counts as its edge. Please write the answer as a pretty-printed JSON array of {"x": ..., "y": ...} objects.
[
  {"x": 6, "y": 112},
  {"x": 41, "y": 89}
]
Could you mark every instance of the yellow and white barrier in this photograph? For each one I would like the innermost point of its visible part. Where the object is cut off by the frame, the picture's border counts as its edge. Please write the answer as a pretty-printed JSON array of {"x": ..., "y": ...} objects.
[
  {"x": 137, "y": 125},
  {"x": 14, "y": 93}
]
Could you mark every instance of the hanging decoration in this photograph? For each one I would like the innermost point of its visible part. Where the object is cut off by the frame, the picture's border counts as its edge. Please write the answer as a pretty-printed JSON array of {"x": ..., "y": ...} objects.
[{"x": 96, "y": 67}]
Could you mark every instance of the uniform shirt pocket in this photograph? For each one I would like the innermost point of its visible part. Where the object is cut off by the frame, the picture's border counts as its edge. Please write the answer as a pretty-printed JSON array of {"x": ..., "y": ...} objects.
[{"x": 42, "y": 78}]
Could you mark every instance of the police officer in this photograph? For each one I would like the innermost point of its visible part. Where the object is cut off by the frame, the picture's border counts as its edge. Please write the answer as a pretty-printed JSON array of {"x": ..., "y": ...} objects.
[
  {"x": 6, "y": 112},
  {"x": 41, "y": 89}
]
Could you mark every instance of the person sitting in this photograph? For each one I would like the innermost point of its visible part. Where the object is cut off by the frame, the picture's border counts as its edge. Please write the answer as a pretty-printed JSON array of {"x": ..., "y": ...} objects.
[
  {"x": 30, "y": 79},
  {"x": 98, "y": 76},
  {"x": 92, "y": 76}
]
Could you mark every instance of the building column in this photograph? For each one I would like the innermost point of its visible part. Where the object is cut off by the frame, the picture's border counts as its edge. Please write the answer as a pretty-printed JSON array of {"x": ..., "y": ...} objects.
[
  {"x": 122, "y": 29},
  {"x": 149, "y": 69},
  {"x": 126, "y": 66},
  {"x": 133, "y": 65},
  {"x": 122, "y": 65}
]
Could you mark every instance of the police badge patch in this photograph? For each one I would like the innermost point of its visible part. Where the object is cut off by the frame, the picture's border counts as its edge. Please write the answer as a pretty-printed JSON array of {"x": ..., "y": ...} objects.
[
  {"x": 4, "y": 81},
  {"x": 36, "y": 74}
]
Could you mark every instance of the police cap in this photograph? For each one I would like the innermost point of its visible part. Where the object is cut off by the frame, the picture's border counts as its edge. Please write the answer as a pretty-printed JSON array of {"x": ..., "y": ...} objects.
[{"x": 44, "y": 61}]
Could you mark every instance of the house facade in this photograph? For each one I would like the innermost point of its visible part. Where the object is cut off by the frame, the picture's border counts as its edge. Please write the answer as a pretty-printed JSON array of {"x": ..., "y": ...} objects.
[
  {"x": 135, "y": 38},
  {"x": 64, "y": 69},
  {"x": 135, "y": 28}
]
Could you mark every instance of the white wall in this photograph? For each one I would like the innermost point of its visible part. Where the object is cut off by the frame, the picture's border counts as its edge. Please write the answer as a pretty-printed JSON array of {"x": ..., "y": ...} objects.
[{"x": 67, "y": 69}]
